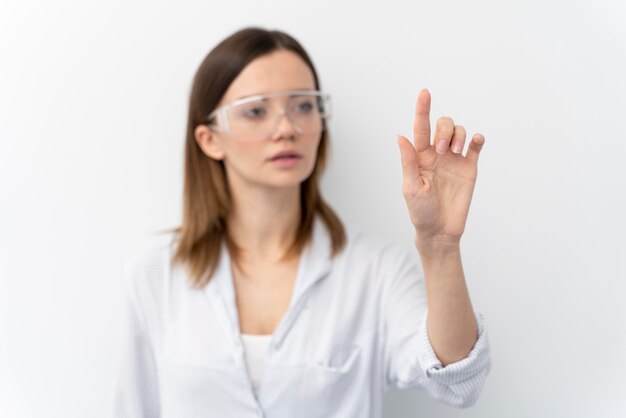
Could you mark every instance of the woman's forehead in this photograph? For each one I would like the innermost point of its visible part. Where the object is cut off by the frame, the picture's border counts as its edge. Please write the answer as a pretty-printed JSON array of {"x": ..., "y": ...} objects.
[{"x": 277, "y": 71}]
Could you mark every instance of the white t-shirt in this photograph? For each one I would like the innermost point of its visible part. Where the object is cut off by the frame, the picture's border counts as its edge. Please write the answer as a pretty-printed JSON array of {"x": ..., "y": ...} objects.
[{"x": 255, "y": 351}]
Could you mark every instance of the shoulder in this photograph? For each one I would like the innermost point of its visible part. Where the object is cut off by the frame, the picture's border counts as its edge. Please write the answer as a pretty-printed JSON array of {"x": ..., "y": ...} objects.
[{"x": 147, "y": 268}]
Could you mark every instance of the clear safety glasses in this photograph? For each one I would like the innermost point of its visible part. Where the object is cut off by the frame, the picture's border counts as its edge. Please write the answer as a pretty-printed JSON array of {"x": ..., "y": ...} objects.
[{"x": 256, "y": 118}]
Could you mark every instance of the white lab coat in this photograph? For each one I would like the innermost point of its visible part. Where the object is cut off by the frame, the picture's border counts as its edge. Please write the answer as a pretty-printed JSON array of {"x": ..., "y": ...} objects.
[{"x": 355, "y": 327}]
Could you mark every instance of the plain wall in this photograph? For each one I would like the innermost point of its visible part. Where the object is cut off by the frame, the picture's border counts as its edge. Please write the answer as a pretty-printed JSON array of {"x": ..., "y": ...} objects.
[{"x": 93, "y": 101}]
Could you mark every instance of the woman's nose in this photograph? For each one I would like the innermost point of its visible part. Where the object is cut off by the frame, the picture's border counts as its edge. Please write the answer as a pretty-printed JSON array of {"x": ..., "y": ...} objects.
[{"x": 285, "y": 127}]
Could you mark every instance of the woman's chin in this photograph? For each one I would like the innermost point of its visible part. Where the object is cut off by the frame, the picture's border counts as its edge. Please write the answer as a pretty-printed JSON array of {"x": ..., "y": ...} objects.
[
  {"x": 288, "y": 178},
  {"x": 285, "y": 181}
]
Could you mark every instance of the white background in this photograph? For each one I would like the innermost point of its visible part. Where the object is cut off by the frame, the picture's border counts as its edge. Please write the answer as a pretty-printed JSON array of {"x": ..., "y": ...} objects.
[{"x": 93, "y": 101}]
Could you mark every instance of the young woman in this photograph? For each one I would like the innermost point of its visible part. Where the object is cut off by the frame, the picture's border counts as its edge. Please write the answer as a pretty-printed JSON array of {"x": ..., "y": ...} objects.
[{"x": 261, "y": 304}]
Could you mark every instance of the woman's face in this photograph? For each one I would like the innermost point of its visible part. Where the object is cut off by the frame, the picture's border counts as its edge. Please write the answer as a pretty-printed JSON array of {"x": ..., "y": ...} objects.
[{"x": 251, "y": 162}]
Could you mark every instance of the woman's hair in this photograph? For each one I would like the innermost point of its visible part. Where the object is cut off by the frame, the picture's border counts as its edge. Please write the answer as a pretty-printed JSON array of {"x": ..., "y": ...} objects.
[{"x": 206, "y": 196}]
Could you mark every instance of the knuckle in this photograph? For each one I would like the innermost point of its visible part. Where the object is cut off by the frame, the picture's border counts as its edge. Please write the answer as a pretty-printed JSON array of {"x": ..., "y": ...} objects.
[
  {"x": 445, "y": 126},
  {"x": 421, "y": 127},
  {"x": 445, "y": 121}
]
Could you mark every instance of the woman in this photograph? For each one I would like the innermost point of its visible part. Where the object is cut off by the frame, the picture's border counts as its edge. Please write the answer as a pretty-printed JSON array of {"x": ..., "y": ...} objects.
[{"x": 261, "y": 304}]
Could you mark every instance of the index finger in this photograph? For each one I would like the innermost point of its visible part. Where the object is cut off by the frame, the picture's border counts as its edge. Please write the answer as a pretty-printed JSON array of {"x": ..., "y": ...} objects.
[{"x": 421, "y": 124}]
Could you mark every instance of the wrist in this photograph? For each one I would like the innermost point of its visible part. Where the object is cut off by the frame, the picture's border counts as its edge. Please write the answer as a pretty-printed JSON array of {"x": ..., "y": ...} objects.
[{"x": 438, "y": 246}]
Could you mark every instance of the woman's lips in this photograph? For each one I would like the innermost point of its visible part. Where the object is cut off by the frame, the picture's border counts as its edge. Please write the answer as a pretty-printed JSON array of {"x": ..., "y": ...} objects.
[
  {"x": 286, "y": 162},
  {"x": 286, "y": 159},
  {"x": 286, "y": 154}
]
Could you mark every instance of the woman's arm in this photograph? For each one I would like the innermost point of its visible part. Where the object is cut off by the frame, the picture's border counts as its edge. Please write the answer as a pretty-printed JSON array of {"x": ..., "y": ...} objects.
[
  {"x": 438, "y": 183},
  {"x": 451, "y": 323},
  {"x": 136, "y": 389}
]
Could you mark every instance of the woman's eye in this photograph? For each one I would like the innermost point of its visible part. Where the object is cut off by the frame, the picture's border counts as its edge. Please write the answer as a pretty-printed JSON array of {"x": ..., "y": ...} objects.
[
  {"x": 304, "y": 107},
  {"x": 255, "y": 112}
]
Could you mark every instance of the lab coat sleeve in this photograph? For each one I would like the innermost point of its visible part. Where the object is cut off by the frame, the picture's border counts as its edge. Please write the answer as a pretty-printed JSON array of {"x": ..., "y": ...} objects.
[
  {"x": 136, "y": 392},
  {"x": 409, "y": 358}
]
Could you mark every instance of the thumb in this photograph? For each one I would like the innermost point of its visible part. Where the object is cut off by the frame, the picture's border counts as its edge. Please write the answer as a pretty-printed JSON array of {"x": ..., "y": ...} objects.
[{"x": 408, "y": 155}]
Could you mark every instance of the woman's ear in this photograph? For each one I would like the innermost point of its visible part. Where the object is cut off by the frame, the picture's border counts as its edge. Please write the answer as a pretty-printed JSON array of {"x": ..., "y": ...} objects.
[{"x": 208, "y": 142}]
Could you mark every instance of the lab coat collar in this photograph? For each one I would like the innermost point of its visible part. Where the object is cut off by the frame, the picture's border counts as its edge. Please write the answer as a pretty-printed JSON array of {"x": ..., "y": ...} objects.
[{"x": 315, "y": 264}]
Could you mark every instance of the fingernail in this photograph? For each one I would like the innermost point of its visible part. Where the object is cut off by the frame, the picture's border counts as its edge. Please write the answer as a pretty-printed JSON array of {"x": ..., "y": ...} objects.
[{"x": 441, "y": 146}]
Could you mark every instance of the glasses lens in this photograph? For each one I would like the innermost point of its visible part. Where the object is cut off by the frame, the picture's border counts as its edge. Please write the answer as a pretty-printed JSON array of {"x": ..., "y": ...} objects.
[{"x": 258, "y": 119}]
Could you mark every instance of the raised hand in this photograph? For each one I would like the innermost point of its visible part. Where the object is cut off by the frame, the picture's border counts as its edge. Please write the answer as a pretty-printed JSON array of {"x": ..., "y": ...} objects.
[{"x": 438, "y": 180}]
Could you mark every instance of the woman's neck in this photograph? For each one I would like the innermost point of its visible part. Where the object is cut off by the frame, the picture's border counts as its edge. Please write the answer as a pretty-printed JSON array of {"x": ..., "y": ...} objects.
[{"x": 264, "y": 222}]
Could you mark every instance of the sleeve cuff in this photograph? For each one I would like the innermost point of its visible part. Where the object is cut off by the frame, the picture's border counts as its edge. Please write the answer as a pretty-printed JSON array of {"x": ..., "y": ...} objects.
[{"x": 476, "y": 361}]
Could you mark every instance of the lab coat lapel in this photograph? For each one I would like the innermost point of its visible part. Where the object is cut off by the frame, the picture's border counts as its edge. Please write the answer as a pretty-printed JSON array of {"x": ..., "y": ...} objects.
[
  {"x": 315, "y": 263},
  {"x": 221, "y": 295}
]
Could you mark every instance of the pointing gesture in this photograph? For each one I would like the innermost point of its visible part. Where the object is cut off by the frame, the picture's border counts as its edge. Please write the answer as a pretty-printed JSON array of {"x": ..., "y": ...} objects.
[{"x": 438, "y": 180}]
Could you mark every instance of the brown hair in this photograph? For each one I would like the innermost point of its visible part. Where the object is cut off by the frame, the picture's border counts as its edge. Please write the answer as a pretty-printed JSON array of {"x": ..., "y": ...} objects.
[{"x": 206, "y": 197}]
